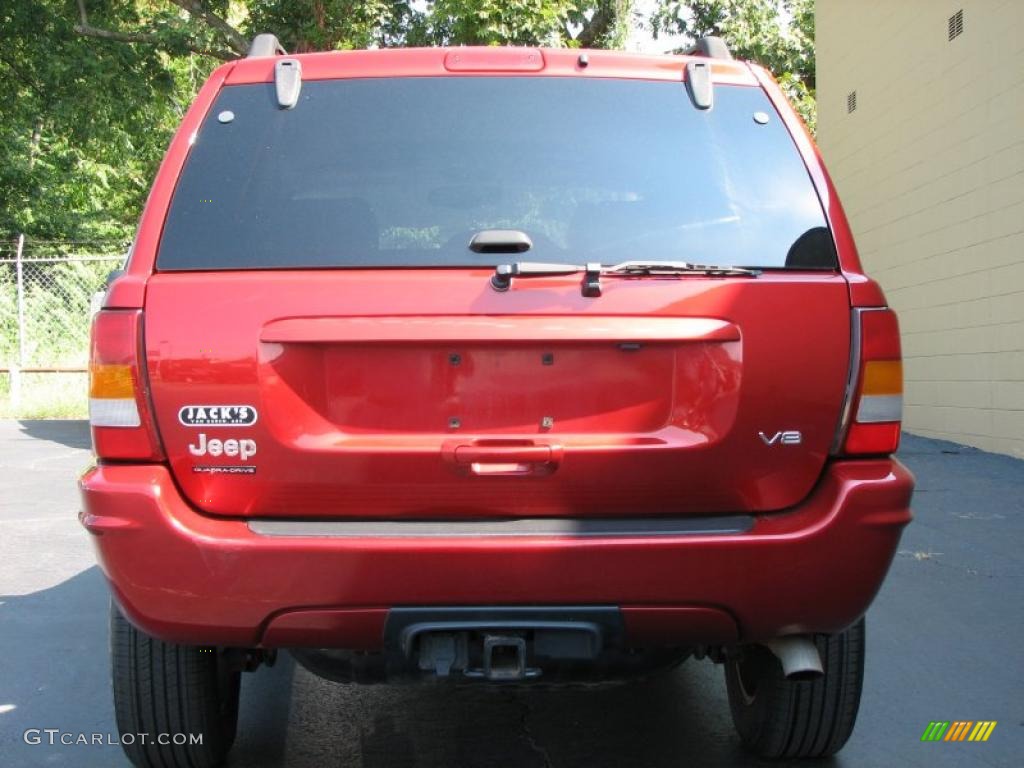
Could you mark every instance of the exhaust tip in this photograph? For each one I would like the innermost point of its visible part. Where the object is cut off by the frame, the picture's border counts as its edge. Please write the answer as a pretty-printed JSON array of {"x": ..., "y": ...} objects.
[
  {"x": 805, "y": 675},
  {"x": 799, "y": 657}
]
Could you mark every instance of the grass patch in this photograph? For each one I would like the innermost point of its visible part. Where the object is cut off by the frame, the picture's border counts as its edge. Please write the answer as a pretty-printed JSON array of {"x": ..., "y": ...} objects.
[{"x": 46, "y": 396}]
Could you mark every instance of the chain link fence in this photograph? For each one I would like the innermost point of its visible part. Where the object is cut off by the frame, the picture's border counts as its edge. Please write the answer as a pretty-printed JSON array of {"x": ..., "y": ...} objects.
[{"x": 47, "y": 291}]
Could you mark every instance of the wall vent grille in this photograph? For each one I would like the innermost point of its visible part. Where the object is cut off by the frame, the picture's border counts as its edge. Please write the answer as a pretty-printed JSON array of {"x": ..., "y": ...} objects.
[
  {"x": 851, "y": 101},
  {"x": 956, "y": 24}
]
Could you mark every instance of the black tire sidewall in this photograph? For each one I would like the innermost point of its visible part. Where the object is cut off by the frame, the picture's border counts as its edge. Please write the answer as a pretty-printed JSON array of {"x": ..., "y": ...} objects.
[
  {"x": 806, "y": 718},
  {"x": 165, "y": 688},
  {"x": 754, "y": 721}
]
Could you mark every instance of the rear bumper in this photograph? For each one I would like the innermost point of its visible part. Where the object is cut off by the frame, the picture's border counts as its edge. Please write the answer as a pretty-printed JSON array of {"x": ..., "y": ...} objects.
[{"x": 187, "y": 577}]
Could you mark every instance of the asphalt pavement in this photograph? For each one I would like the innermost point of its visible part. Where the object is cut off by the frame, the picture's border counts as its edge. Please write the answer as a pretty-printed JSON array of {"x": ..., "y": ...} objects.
[{"x": 944, "y": 643}]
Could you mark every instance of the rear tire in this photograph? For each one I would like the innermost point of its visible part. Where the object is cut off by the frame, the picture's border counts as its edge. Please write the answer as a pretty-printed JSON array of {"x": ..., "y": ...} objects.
[
  {"x": 163, "y": 689},
  {"x": 776, "y": 717}
]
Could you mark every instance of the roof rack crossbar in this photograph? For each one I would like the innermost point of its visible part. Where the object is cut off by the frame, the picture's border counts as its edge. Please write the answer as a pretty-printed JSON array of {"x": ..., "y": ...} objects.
[
  {"x": 265, "y": 44},
  {"x": 711, "y": 47}
]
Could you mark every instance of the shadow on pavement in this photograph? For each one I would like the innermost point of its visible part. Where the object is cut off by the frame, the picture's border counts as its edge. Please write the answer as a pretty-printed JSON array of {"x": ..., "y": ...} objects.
[
  {"x": 676, "y": 719},
  {"x": 74, "y": 433},
  {"x": 54, "y": 671}
]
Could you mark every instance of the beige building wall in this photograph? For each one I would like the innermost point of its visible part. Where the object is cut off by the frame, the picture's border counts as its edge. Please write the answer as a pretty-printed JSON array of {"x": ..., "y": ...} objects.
[{"x": 930, "y": 169}]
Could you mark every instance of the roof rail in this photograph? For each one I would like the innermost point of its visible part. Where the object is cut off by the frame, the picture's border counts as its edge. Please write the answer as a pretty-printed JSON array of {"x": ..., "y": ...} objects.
[
  {"x": 265, "y": 45},
  {"x": 710, "y": 46}
]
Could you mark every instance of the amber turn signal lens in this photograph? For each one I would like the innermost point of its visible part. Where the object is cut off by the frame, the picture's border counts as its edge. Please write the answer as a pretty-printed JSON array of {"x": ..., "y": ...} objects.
[
  {"x": 883, "y": 377},
  {"x": 110, "y": 381}
]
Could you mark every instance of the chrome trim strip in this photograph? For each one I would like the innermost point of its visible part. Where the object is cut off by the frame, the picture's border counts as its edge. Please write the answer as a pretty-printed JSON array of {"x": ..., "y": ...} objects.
[
  {"x": 571, "y": 528},
  {"x": 851, "y": 381}
]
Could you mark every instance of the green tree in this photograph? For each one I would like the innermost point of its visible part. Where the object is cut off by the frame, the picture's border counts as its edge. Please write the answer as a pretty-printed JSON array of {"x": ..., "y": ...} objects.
[
  {"x": 93, "y": 89},
  {"x": 82, "y": 122},
  {"x": 222, "y": 28},
  {"x": 778, "y": 34},
  {"x": 600, "y": 24}
]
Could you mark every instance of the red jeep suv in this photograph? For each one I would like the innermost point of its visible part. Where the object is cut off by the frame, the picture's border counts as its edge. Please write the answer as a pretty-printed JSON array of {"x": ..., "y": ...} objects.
[{"x": 502, "y": 365}]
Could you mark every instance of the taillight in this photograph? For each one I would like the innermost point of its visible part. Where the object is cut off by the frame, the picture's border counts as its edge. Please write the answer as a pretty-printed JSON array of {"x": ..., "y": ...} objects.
[
  {"x": 874, "y": 402},
  {"x": 119, "y": 412}
]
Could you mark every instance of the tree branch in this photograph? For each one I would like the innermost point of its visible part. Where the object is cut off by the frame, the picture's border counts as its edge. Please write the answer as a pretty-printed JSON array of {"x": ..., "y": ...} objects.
[
  {"x": 120, "y": 37},
  {"x": 195, "y": 8},
  {"x": 604, "y": 25},
  {"x": 594, "y": 29},
  {"x": 146, "y": 39},
  {"x": 24, "y": 76},
  {"x": 87, "y": 30}
]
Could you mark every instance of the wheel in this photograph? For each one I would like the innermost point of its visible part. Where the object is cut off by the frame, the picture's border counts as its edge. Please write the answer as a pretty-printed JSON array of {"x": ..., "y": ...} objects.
[
  {"x": 776, "y": 717},
  {"x": 163, "y": 690}
]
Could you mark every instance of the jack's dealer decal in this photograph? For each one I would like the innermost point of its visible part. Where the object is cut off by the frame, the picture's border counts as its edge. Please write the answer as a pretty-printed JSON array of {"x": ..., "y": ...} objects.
[{"x": 217, "y": 415}]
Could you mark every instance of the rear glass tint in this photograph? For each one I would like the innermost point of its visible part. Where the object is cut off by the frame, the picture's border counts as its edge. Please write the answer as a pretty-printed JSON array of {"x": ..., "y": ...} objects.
[{"x": 391, "y": 172}]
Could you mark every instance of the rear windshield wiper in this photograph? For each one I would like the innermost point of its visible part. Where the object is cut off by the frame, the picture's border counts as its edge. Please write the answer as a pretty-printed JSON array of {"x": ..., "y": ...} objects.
[
  {"x": 679, "y": 268},
  {"x": 501, "y": 280}
]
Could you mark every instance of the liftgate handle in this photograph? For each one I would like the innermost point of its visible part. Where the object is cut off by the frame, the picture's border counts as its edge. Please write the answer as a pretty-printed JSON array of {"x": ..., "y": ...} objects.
[{"x": 503, "y": 458}]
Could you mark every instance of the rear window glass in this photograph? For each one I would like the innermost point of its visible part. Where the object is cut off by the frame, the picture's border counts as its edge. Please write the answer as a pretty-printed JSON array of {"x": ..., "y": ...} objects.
[{"x": 394, "y": 172}]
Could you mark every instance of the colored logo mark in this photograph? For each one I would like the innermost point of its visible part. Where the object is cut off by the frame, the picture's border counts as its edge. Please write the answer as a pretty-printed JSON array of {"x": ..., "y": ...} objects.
[{"x": 958, "y": 730}]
